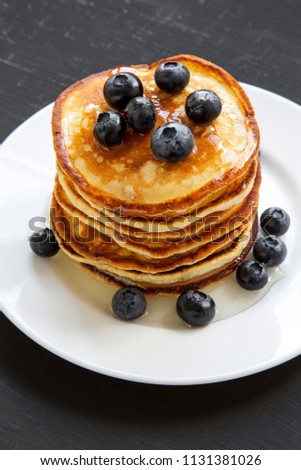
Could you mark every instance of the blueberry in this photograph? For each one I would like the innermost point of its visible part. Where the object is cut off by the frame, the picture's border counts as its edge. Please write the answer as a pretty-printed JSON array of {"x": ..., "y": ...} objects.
[
  {"x": 172, "y": 76},
  {"x": 172, "y": 142},
  {"x": 129, "y": 303},
  {"x": 195, "y": 308},
  {"x": 141, "y": 114},
  {"x": 275, "y": 221},
  {"x": 270, "y": 250},
  {"x": 203, "y": 106},
  {"x": 251, "y": 275},
  {"x": 121, "y": 88},
  {"x": 109, "y": 128},
  {"x": 44, "y": 243}
]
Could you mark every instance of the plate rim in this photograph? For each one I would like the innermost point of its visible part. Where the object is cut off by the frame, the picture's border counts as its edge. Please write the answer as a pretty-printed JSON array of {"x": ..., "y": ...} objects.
[{"x": 22, "y": 326}]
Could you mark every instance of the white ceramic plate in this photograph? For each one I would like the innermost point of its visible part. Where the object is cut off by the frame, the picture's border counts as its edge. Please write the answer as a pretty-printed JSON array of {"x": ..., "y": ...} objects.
[{"x": 64, "y": 309}]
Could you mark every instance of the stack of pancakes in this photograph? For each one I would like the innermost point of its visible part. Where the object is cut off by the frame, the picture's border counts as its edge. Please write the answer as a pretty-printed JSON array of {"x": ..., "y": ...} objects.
[{"x": 131, "y": 219}]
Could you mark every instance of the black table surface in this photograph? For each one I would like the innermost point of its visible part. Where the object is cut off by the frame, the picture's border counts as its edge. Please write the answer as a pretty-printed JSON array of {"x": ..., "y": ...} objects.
[{"x": 48, "y": 403}]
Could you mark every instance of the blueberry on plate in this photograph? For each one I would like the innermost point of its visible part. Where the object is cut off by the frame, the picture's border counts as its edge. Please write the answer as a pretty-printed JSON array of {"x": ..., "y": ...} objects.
[
  {"x": 275, "y": 221},
  {"x": 141, "y": 114},
  {"x": 109, "y": 128},
  {"x": 270, "y": 250},
  {"x": 195, "y": 308},
  {"x": 172, "y": 76},
  {"x": 129, "y": 303},
  {"x": 121, "y": 88},
  {"x": 203, "y": 106},
  {"x": 252, "y": 275},
  {"x": 172, "y": 142},
  {"x": 44, "y": 243}
]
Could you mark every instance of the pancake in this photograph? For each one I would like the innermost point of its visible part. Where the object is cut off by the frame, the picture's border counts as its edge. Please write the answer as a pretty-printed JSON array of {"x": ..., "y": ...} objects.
[
  {"x": 127, "y": 178},
  {"x": 194, "y": 236},
  {"x": 131, "y": 219},
  {"x": 223, "y": 263},
  {"x": 233, "y": 195},
  {"x": 96, "y": 248}
]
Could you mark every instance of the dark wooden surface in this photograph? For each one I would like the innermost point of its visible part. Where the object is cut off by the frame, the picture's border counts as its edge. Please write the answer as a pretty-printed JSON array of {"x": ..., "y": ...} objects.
[{"x": 47, "y": 403}]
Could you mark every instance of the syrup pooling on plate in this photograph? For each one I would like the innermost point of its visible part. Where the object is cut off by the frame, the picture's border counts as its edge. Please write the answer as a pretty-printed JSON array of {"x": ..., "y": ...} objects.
[{"x": 229, "y": 298}]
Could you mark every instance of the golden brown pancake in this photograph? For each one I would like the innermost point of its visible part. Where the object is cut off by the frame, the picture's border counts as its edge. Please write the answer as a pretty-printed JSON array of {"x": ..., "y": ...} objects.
[
  {"x": 233, "y": 195},
  {"x": 176, "y": 243},
  {"x": 97, "y": 248},
  {"x": 225, "y": 262},
  {"x": 131, "y": 219},
  {"x": 127, "y": 178}
]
